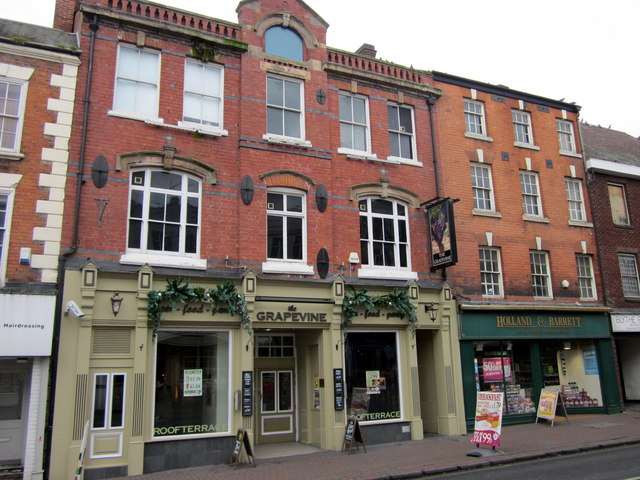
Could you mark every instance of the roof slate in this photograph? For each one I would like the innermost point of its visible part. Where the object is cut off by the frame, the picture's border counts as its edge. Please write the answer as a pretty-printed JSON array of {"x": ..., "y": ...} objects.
[
  {"x": 37, "y": 36},
  {"x": 612, "y": 145}
]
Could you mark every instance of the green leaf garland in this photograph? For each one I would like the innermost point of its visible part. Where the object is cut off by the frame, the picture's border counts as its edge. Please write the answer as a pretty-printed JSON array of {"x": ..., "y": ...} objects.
[
  {"x": 179, "y": 291},
  {"x": 397, "y": 300}
]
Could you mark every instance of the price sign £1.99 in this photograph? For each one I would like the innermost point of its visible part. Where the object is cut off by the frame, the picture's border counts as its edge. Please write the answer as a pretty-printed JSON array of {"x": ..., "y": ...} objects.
[{"x": 488, "y": 422}]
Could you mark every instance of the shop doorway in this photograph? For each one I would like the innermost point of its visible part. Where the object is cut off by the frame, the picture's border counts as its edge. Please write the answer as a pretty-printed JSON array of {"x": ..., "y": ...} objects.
[
  {"x": 14, "y": 389},
  {"x": 276, "y": 383}
]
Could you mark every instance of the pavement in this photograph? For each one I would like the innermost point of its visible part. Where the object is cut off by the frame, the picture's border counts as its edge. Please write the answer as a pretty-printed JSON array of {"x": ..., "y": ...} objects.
[{"x": 434, "y": 454}]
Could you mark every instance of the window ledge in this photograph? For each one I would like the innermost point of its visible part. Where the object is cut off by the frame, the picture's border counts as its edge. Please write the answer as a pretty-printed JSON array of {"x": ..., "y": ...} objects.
[
  {"x": 476, "y": 136},
  {"x": 293, "y": 268},
  {"x": 134, "y": 116},
  {"x": 404, "y": 161},
  {"x": 530, "y": 146},
  {"x": 358, "y": 154},
  {"x": 11, "y": 156},
  {"x": 163, "y": 260},
  {"x": 279, "y": 139},
  {"x": 531, "y": 218},
  {"x": 486, "y": 213},
  {"x": 542, "y": 298},
  {"x": 386, "y": 273},
  {"x": 576, "y": 223},
  {"x": 189, "y": 127},
  {"x": 570, "y": 154},
  {"x": 493, "y": 296},
  {"x": 632, "y": 299}
]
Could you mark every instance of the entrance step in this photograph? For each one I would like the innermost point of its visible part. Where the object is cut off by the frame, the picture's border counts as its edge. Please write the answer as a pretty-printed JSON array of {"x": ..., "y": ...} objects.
[{"x": 10, "y": 472}]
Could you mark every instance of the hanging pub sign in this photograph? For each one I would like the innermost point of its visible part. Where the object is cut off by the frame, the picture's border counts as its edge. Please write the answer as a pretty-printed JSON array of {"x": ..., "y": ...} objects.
[{"x": 442, "y": 232}]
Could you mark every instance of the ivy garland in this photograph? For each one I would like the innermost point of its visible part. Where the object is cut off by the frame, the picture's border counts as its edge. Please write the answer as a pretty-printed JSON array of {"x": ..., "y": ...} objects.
[
  {"x": 397, "y": 300},
  {"x": 179, "y": 291}
]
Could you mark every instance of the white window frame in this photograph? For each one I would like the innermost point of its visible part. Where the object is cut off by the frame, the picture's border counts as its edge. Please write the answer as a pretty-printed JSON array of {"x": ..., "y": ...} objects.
[
  {"x": 522, "y": 129},
  {"x": 483, "y": 187},
  {"x": 282, "y": 138},
  {"x": 471, "y": 112},
  {"x": 630, "y": 273},
  {"x": 17, "y": 144},
  {"x": 287, "y": 265},
  {"x": 402, "y": 132},
  {"x": 352, "y": 123},
  {"x": 566, "y": 138},
  {"x": 530, "y": 191},
  {"x": 6, "y": 228},
  {"x": 575, "y": 200},
  {"x": 540, "y": 269},
  {"x": 369, "y": 270},
  {"x": 623, "y": 197},
  {"x": 219, "y": 96},
  {"x": 180, "y": 258},
  {"x": 136, "y": 113},
  {"x": 586, "y": 280},
  {"x": 277, "y": 392},
  {"x": 109, "y": 401},
  {"x": 496, "y": 271}
]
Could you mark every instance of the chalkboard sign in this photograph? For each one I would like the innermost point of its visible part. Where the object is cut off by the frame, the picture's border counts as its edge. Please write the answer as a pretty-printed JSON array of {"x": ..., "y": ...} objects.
[
  {"x": 352, "y": 434},
  {"x": 241, "y": 440},
  {"x": 247, "y": 393},
  {"x": 338, "y": 389}
]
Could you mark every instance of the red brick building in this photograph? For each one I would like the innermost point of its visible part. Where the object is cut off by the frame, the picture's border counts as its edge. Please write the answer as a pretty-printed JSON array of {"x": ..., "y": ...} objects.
[
  {"x": 527, "y": 278},
  {"x": 38, "y": 68},
  {"x": 270, "y": 187},
  {"x": 613, "y": 165}
]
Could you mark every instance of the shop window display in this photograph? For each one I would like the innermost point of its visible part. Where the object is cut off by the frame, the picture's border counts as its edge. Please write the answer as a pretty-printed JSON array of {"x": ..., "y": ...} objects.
[
  {"x": 372, "y": 380},
  {"x": 506, "y": 367},
  {"x": 192, "y": 383}
]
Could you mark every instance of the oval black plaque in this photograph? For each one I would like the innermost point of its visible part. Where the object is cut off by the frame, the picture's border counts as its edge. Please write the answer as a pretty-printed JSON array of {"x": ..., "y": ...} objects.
[
  {"x": 323, "y": 263},
  {"x": 100, "y": 171},
  {"x": 322, "y": 198},
  {"x": 246, "y": 190}
]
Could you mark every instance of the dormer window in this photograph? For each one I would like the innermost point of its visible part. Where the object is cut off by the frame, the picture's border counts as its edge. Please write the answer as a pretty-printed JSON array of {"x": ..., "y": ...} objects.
[{"x": 283, "y": 42}]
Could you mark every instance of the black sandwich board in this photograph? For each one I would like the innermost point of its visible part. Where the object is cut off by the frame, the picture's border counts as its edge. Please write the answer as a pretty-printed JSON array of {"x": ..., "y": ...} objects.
[
  {"x": 352, "y": 434},
  {"x": 241, "y": 440}
]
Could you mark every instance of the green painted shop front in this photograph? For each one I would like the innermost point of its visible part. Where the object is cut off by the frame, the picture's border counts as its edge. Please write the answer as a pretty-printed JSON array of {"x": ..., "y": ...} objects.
[{"x": 519, "y": 352}]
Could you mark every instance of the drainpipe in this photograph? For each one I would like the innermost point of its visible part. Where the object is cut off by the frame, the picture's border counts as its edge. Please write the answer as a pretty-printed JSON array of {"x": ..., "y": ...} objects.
[
  {"x": 55, "y": 346},
  {"x": 431, "y": 101}
]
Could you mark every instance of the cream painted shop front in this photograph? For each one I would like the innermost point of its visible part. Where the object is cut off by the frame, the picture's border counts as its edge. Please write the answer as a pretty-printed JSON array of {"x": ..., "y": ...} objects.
[{"x": 146, "y": 396}]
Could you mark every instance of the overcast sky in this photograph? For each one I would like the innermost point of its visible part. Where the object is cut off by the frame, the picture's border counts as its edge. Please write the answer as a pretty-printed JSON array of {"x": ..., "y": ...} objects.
[{"x": 583, "y": 51}]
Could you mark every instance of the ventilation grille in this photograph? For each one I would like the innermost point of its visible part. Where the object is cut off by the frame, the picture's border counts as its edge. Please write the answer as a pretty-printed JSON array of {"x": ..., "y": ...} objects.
[
  {"x": 81, "y": 402},
  {"x": 138, "y": 404},
  {"x": 111, "y": 341}
]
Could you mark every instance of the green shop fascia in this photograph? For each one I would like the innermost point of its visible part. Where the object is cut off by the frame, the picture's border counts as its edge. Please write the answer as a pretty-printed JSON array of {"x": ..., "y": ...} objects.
[{"x": 521, "y": 351}]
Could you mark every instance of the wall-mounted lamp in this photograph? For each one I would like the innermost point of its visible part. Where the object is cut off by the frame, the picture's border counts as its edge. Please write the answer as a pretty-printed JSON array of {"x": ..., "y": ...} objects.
[
  {"x": 432, "y": 310},
  {"x": 566, "y": 346},
  {"x": 116, "y": 300}
]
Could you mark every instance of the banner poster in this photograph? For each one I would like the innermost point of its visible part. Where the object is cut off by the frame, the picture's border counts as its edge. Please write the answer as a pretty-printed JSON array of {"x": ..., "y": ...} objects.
[
  {"x": 193, "y": 383},
  {"x": 374, "y": 382},
  {"x": 547, "y": 404},
  {"x": 442, "y": 231},
  {"x": 493, "y": 368},
  {"x": 488, "y": 423}
]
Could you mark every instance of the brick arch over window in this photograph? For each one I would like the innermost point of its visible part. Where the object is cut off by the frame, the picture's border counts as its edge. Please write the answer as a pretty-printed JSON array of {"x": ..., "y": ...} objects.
[
  {"x": 287, "y": 178},
  {"x": 168, "y": 160},
  {"x": 384, "y": 190},
  {"x": 286, "y": 20}
]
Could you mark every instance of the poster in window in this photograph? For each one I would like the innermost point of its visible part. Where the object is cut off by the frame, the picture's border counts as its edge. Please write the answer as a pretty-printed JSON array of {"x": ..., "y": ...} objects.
[
  {"x": 375, "y": 383},
  {"x": 494, "y": 368},
  {"x": 193, "y": 383},
  {"x": 442, "y": 232},
  {"x": 590, "y": 362}
]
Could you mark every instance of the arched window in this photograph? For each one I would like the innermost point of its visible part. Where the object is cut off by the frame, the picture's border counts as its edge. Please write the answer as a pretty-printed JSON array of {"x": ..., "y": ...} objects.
[{"x": 283, "y": 42}]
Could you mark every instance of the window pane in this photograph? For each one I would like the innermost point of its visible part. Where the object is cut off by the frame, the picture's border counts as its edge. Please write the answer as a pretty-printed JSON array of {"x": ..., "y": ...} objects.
[
  {"x": 394, "y": 144},
  {"x": 135, "y": 209},
  {"x": 148, "y": 70},
  {"x": 359, "y": 138},
  {"x": 389, "y": 254},
  {"x": 192, "y": 383},
  {"x": 283, "y": 42},
  {"x": 275, "y": 91},
  {"x": 171, "y": 238},
  {"x": 173, "y": 208},
  {"x": 165, "y": 180},
  {"x": 377, "y": 228},
  {"x": 382, "y": 206},
  {"x": 346, "y": 113},
  {"x": 359, "y": 111},
  {"x": 275, "y": 201},
  {"x": 192, "y": 210},
  {"x": 155, "y": 236},
  {"x": 100, "y": 401},
  {"x": 292, "y": 124},
  {"x": 275, "y": 237},
  {"x": 292, "y": 95},
  {"x": 392, "y": 113},
  {"x": 275, "y": 121},
  {"x": 618, "y": 203},
  {"x": 294, "y": 238},
  {"x": 135, "y": 228},
  {"x": 191, "y": 240},
  {"x": 406, "y": 125},
  {"x": 156, "y": 206},
  {"x": 117, "y": 401},
  {"x": 346, "y": 139},
  {"x": 294, "y": 203},
  {"x": 372, "y": 377},
  {"x": 268, "y": 384},
  {"x": 285, "y": 392}
]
